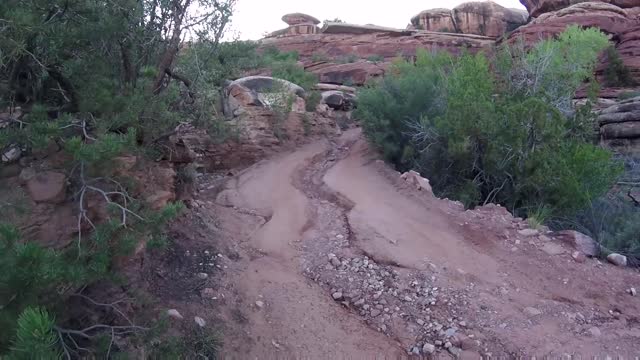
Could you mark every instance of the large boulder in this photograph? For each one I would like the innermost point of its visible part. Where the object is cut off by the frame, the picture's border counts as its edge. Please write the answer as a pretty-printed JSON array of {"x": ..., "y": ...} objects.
[
  {"x": 608, "y": 18},
  {"x": 299, "y": 18},
  {"x": 620, "y": 126},
  {"x": 356, "y": 73},
  {"x": 487, "y": 18},
  {"x": 338, "y": 100},
  {"x": 255, "y": 91},
  {"x": 435, "y": 20},
  {"x": 539, "y": 7},
  {"x": 581, "y": 242}
]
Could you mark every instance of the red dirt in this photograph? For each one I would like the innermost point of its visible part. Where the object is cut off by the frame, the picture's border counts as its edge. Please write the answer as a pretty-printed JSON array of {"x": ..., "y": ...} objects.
[{"x": 280, "y": 220}]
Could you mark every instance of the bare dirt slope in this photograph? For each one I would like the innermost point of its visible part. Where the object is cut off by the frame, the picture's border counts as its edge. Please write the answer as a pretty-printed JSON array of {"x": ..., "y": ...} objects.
[{"x": 328, "y": 254}]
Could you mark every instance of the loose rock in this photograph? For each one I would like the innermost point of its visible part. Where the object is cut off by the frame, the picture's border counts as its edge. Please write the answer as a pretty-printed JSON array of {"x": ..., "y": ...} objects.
[
  {"x": 531, "y": 311},
  {"x": 595, "y": 332},
  {"x": 259, "y": 304},
  {"x": 428, "y": 348},
  {"x": 528, "y": 232},
  {"x": 617, "y": 259},
  {"x": 337, "y": 295},
  {"x": 632, "y": 291},
  {"x": 552, "y": 249},
  {"x": 175, "y": 314},
  {"x": 200, "y": 321}
]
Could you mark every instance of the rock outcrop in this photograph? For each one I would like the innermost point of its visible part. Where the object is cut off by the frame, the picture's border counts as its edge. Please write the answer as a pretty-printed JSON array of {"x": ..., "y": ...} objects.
[
  {"x": 356, "y": 73},
  {"x": 383, "y": 44},
  {"x": 300, "y": 18},
  {"x": 255, "y": 91},
  {"x": 539, "y": 7},
  {"x": 479, "y": 18},
  {"x": 608, "y": 18},
  {"x": 487, "y": 18},
  {"x": 621, "y": 24},
  {"x": 440, "y": 20},
  {"x": 620, "y": 127}
]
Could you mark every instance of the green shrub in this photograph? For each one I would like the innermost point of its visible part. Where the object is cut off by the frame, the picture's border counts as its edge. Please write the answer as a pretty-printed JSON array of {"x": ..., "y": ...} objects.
[
  {"x": 312, "y": 100},
  {"x": 35, "y": 337},
  {"x": 294, "y": 73},
  {"x": 617, "y": 73},
  {"x": 375, "y": 58},
  {"x": 484, "y": 136},
  {"x": 348, "y": 59},
  {"x": 628, "y": 95},
  {"x": 319, "y": 57}
]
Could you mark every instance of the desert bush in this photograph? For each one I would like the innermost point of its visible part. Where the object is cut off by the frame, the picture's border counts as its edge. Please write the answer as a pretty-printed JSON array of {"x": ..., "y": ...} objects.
[
  {"x": 319, "y": 57},
  {"x": 375, "y": 58},
  {"x": 101, "y": 78},
  {"x": 347, "y": 59},
  {"x": 628, "y": 95},
  {"x": 294, "y": 73},
  {"x": 617, "y": 73},
  {"x": 509, "y": 136},
  {"x": 312, "y": 100}
]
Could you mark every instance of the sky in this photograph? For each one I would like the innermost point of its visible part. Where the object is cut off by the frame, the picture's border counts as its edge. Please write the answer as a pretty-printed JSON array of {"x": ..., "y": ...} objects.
[{"x": 254, "y": 18}]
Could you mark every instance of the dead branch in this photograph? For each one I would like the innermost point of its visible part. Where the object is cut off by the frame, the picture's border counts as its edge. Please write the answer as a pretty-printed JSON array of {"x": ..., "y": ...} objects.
[{"x": 636, "y": 202}]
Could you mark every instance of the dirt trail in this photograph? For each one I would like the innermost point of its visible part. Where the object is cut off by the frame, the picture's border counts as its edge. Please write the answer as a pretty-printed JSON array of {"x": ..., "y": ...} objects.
[{"x": 337, "y": 258}]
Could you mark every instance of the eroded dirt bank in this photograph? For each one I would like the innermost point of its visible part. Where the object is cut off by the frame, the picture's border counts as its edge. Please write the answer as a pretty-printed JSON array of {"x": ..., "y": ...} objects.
[{"x": 326, "y": 253}]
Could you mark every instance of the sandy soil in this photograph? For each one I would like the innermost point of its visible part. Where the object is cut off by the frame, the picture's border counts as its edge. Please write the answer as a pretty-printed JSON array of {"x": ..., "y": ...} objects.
[{"x": 326, "y": 253}]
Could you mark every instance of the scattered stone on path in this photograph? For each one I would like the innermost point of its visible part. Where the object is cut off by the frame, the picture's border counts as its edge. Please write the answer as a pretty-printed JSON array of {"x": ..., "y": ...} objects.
[
  {"x": 375, "y": 312},
  {"x": 594, "y": 331},
  {"x": 428, "y": 348},
  {"x": 632, "y": 291},
  {"x": 337, "y": 295},
  {"x": 579, "y": 257},
  {"x": 203, "y": 276},
  {"x": 175, "y": 314},
  {"x": 552, "y": 249},
  {"x": 528, "y": 232},
  {"x": 259, "y": 304},
  {"x": 617, "y": 259},
  {"x": 47, "y": 186},
  {"x": 200, "y": 321},
  {"x": 455, "y": 351},
  {"x": 579, "y": 241},
  {"x": 531, "y": 311}
]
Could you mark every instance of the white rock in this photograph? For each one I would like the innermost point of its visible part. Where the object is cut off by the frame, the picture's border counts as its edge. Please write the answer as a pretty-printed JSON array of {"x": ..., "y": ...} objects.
[
  {"x": 552, "y": 249},
  {"x": 595, "y": 332},
  {"x": 428, "y": 348},
  {"x": 337, "y": 295},
  {"x": 200, "y": 321},
  {"x": 617, "y": 259},
  {"x": 259, "y": 304},
  {"x": 11, "y": 155},
  {"x": 531, "y": 311},
  {"x": 203, "y": 276},
  {"x": 528, "y": 232},
  {"x": 632, "y": 291},
  {"x": 175, "y": 314}
]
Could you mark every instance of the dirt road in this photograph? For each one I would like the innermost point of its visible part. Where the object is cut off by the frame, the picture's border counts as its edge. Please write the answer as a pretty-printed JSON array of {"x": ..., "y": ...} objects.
[{"x": 329, "y": 254}]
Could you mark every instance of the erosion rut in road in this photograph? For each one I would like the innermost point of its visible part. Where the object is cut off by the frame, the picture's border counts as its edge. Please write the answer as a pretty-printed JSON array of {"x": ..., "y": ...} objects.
[{"x": 339, "y": 258}]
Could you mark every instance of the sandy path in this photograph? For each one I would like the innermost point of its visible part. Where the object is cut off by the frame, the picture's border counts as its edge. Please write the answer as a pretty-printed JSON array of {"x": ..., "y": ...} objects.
[
  {"x": 299, "y": 320},
  {"x": 286, "y": 214}
]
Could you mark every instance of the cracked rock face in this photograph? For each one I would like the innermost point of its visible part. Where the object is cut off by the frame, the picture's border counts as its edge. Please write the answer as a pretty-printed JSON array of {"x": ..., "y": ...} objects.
[{"x": 539, "y": 7}]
